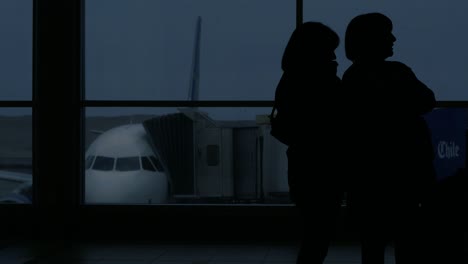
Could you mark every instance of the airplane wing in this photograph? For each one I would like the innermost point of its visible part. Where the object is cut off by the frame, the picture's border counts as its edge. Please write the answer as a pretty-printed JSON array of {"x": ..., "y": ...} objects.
[
  {"x": 15, "y": 176},
  {"x": 21, "y": 184}
]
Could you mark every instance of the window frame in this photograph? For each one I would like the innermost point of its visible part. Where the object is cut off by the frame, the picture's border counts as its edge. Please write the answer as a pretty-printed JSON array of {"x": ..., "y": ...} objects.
[
  {"x": 274, "y": 216},
  {"x": 170, "y": 214},
  {"x": 58, "y": 210}
]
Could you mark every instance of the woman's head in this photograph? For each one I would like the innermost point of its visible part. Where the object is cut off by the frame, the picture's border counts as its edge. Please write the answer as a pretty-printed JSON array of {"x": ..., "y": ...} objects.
[
  {"x": 311, "y": 44},
  {"x": 369, "y": 37}
]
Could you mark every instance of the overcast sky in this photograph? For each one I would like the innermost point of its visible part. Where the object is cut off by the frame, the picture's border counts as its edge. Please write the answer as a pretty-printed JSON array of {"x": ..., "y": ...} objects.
[{"x": 142, "y": 49}]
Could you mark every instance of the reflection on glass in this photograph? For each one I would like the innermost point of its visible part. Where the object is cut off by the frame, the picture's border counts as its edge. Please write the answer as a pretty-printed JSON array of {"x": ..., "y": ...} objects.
[
  {"x": 15, "y": 155},
  {"x": 183, "y": 156}
]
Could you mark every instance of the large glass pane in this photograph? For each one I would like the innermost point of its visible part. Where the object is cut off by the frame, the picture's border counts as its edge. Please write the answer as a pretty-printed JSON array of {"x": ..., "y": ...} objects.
[
  {"x": 429, "y": 34},
  {"x": 146, "y": 49},
  {"x": 16, "y": 49},
  {"x": 15, "y": 155},
  {"x": 216, "y": 155}
]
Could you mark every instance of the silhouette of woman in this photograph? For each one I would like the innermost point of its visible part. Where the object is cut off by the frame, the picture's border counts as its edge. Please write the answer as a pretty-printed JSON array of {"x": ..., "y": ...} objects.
[
  {"x": 391, "y": 142},
  {"x": 307, "y": 87}
]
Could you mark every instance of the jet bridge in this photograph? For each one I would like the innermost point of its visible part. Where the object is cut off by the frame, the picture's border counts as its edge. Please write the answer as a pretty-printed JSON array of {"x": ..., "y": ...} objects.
[
  {"x": 171, "y": 137},
  {"x": 216, "y": 161}
]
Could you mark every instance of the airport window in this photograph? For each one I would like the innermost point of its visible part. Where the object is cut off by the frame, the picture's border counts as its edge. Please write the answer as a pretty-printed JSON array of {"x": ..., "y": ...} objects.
[
  {"x": 127, "y": 164},
  {"x": 428, "y": 34},
  {"x": 147, "y": 165},
  {"x": 16, "y": 106},
  {"x": 143, "y": 55},
  {"x": 103, "y": 163},
  {"x": 214, "y": 155},
  {"x": 226, "y": 64},
  {"x": 145, "y": 68}
]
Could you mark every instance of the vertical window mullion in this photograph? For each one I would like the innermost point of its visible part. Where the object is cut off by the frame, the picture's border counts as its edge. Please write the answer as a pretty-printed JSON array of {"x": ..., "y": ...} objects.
[
  {"x": 299, "y": 12},
  {"x": 57, "y": 83}
]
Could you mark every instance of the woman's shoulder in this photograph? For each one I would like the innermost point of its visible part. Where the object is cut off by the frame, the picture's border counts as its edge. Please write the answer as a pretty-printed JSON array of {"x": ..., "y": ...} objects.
[
  {"x": 397, "y": 65},
  {"x": 356, "y": 71}
]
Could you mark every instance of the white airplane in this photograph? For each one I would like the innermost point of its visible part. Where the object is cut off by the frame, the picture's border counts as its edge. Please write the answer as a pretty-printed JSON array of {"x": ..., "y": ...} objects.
[{"x": 121, "y": 167}]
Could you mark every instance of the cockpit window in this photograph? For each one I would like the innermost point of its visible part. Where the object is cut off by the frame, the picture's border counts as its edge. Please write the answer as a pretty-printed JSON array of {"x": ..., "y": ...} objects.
[
  {"x": 89, "y": 162},
  {"x": 128, "y": 164},
  {"x": 103, "y": 163},
  {"x": 147, "y": 165},
  {"x": 157, "y": 163}
]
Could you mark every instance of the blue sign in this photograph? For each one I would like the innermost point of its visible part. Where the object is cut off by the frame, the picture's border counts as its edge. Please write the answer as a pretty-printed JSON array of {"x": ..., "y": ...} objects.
[{"x": 448, "y": 127}]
